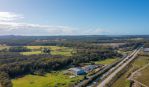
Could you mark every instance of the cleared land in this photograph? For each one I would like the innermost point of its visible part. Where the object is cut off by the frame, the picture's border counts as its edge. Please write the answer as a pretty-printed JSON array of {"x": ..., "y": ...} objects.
[
  {"x": 3, "y": 47},
  {"x": 107, "y": 61},
  {"x": 143, "y": 76},
  {"x": 103, "y": 62},
  {"x": 55, "y": 50},
  {"x": 111, "y": 44},
  {"x": 136, "y": 64},
  {"x": 53, "y": 79}
]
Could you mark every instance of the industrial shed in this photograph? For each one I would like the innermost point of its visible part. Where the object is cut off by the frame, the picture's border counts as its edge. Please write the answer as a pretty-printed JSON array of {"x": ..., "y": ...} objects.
[{"x": 77, "y": 71}]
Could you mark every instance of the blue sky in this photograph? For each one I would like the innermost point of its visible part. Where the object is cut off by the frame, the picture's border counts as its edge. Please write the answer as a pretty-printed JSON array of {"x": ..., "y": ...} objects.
[{"x": 74, "y": 17}]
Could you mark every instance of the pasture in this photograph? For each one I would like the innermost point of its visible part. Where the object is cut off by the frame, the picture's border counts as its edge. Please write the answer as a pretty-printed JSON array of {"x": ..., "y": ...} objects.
[
  {"x": 3, "y": 47},
  {"x": 107, "y": 61},
  {"x": 55, "y": 50},
  {"x": 53, "y": 79}
]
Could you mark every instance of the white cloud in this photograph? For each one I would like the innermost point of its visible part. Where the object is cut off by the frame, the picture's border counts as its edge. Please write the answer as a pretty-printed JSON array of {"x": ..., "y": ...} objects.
[
  {"x": 8, "y": 16},
  {"x": 33, "y": 29},
  {"x": 9, "y": 26}
]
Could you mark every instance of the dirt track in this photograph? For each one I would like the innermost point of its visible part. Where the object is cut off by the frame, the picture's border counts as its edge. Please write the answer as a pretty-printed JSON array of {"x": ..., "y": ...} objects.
[{"x": 133, "y": 74}]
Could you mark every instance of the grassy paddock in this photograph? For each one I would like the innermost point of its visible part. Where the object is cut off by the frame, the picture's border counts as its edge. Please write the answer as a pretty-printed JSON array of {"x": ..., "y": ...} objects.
[
  {"x": 55, "y": 50},
  {"x": 107, "y": 61},
  {"x": 31, "y": 53},
  {"x": 53, "y": 79}
]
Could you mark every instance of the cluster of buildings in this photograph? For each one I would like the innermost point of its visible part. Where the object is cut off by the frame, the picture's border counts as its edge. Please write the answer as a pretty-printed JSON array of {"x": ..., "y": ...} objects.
[{"x": 82, "y": 70}]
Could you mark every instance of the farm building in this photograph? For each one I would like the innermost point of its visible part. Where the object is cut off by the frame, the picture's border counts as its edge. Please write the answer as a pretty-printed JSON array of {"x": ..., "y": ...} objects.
[
  {"x": 89, "y": 68},
  {"x": 77, "y": 71}
]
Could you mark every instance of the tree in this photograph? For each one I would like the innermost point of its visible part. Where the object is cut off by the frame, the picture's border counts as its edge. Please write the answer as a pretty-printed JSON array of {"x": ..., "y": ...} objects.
[
  {"x": 4, "y": 80},
  {"x": 46, "y": 51}
]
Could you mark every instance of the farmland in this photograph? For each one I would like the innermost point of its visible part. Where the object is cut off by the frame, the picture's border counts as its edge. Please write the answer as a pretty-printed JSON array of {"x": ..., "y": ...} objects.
[
  {"x": 35, "y": 50},
  {"x": 138, "y": 63},
  {"x": 52, "y": 79},
  {"x": 55, "y": 50},
  {"x": 3, "y": 47},
  {"x": 107, "y": 61}
]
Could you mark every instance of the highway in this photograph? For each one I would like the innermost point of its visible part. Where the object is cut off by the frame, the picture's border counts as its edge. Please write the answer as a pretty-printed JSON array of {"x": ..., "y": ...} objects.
[
  {"x": 96, "y": 82},
  {"x": 115, "y": 70}
]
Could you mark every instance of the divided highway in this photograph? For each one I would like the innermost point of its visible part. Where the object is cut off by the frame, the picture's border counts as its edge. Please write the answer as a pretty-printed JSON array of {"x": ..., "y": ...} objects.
[{"x": 115, "y": 70}]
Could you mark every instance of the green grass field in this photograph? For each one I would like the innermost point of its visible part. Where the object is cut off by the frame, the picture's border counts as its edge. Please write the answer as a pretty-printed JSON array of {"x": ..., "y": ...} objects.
[
  {"x": 103, "y": 62},
  {"x": 31, "y": 53},
  {"x": 55, "y": 50},
  {"x": 138, "y": 63},
  {"x": 107, "y": 61},
  {"x": 53, "y": 79}
]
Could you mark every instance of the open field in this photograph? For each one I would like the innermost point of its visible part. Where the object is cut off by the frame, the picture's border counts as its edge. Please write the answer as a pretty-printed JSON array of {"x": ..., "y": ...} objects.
[
  {"x": 136, "y": 64},
  {"x": 55, "y": 50},
  {"x": 107, "y": 61},
  {"x": 53, "y": 79},
  {"x": 3, "y": 47},
  {"x": 103, "y": 62},
  {"x": 31, "y": 53},
  {"x": 143, "y": 76}
]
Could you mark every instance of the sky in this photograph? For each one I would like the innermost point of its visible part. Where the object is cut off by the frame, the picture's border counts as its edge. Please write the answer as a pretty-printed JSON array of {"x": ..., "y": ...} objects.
[{"x": 74, "y": 17}]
